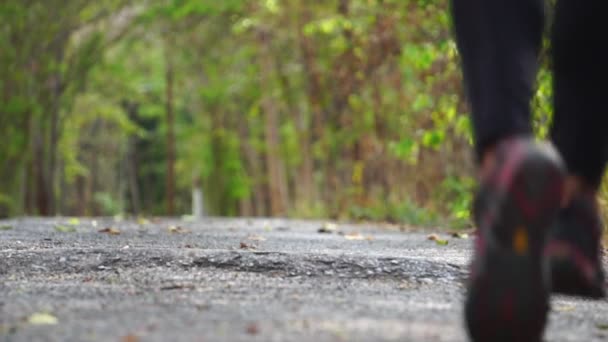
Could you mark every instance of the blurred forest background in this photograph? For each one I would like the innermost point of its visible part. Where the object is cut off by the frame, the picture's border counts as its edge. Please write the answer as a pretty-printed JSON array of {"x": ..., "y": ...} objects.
[{"x": 349, "y": 109}]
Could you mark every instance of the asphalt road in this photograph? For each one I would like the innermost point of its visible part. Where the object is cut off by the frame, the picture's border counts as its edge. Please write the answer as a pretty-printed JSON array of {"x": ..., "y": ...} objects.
[{"x": 242, "y": 280}]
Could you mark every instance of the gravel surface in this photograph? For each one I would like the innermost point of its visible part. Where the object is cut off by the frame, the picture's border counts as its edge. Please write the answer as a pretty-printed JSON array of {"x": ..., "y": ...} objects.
[{"x": 65, "y": 279}]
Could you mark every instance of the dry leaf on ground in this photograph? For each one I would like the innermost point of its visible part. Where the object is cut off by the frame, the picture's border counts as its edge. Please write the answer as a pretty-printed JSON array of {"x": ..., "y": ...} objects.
[
  {"x": 110, "y": 231},
  {"x": 565, "y": 308},
  {"x": 42, "y": 318},
  {"x": 178, "y": 230},
  {"x": 328, "y": 227},
  {"x": 357, "y": 236},
  {"x": 130, "y": 338},
  {"x": 437, "y": 239},
  {"x": 65, "y": 229},
  {"x": 142, "y": 221},
  {"x": 253, "y": 329},
  {"x": 459, "y": 235},
  {"x": 246, "y": 246},
  {"x": 256, "y": 238}
]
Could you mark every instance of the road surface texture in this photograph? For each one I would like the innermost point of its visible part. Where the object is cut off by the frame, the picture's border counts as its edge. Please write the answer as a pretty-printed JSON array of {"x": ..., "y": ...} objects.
[{"x": 242, "y": 280}]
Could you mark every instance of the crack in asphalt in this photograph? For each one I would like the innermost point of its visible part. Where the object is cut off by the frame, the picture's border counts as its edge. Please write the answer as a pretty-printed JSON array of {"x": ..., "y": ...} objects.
[{"x": 278, "y": 263}]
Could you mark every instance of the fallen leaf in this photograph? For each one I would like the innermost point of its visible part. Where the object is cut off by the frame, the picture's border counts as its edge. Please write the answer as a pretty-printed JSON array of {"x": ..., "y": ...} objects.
[
  {"x": 130, "y": 338},
  {"x": 6, "y": 227},
  {"x": 65, "y": 229},
  {"x": 42, "y": 318},
  {"x": 354, "y": 236},
  {"x": 253, "y": 329},
  {"x": 256, "y": 238},
  {"x": 437, "y": 239},
  {"x": 328, "y": 227},
  {"x": 110, "y": 230},
  {"x": 246, "y": 246},
  {"x": 602, "y": 326},
  {"x": 459, "y": 235},
  {"x": 178, "y": 230},
  {"x": 142, "y": 221},
  {"x": 565, "y": 308},
  {"x": 74, "y": 221}
]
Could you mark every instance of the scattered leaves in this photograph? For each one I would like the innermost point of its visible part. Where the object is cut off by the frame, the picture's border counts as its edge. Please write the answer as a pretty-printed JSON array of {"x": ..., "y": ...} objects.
[
  {"x": 64, "y": 229},
  {"x": 328, "y": 228},
  {"x": 437, "y": 239},
  {"x": 6, "y": 227},
  {"x": 42, "y": 318},
  {"x": 178, "y": 230},
  {"x": 110, "y": 231}
]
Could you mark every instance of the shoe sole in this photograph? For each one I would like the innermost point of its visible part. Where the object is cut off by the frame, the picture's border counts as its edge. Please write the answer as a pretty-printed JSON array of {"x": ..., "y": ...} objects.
[
  {"x": 508, "y": 294},
  {"x": 573, "y": 274}
]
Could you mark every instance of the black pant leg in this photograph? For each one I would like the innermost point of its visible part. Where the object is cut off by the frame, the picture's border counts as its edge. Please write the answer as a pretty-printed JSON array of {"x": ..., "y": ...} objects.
[
  {"x": 499, "y": 42},
  {"x": 580, "y": 71}
]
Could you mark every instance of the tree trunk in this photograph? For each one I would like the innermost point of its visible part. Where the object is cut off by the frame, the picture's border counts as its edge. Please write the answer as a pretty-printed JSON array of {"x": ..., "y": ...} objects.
[
  {"x": 256, "y": 205},
  {"x": 41, "y": 186},
  {"x": 277, "y": 180},
  {"x": 303, "y": 184},
  {"x": 132, "y": 110},
  {"x": 314, "y": 93},
  {"x": 170, "y": 176}
]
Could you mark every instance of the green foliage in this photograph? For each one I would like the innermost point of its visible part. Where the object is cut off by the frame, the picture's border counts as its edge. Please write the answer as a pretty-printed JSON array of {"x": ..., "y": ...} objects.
[
  {"x": 350, "y": 109},
  {"x": 405, "y": 213}
]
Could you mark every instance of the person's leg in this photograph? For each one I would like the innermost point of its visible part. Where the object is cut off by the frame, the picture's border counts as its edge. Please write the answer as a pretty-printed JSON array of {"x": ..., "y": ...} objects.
[
  {"x": 520, "y": 181},
  {"x": 499, "y": 42},
  {"x": 580, "y": 133}
]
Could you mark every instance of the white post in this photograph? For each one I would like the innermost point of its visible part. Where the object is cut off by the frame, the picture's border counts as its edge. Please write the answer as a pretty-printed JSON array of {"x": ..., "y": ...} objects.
[{"x": 198, "y": 206}]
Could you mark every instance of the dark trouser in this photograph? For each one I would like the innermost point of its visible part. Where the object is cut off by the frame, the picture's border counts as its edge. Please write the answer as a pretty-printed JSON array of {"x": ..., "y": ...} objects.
[{"x": 499, "y": 42}]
